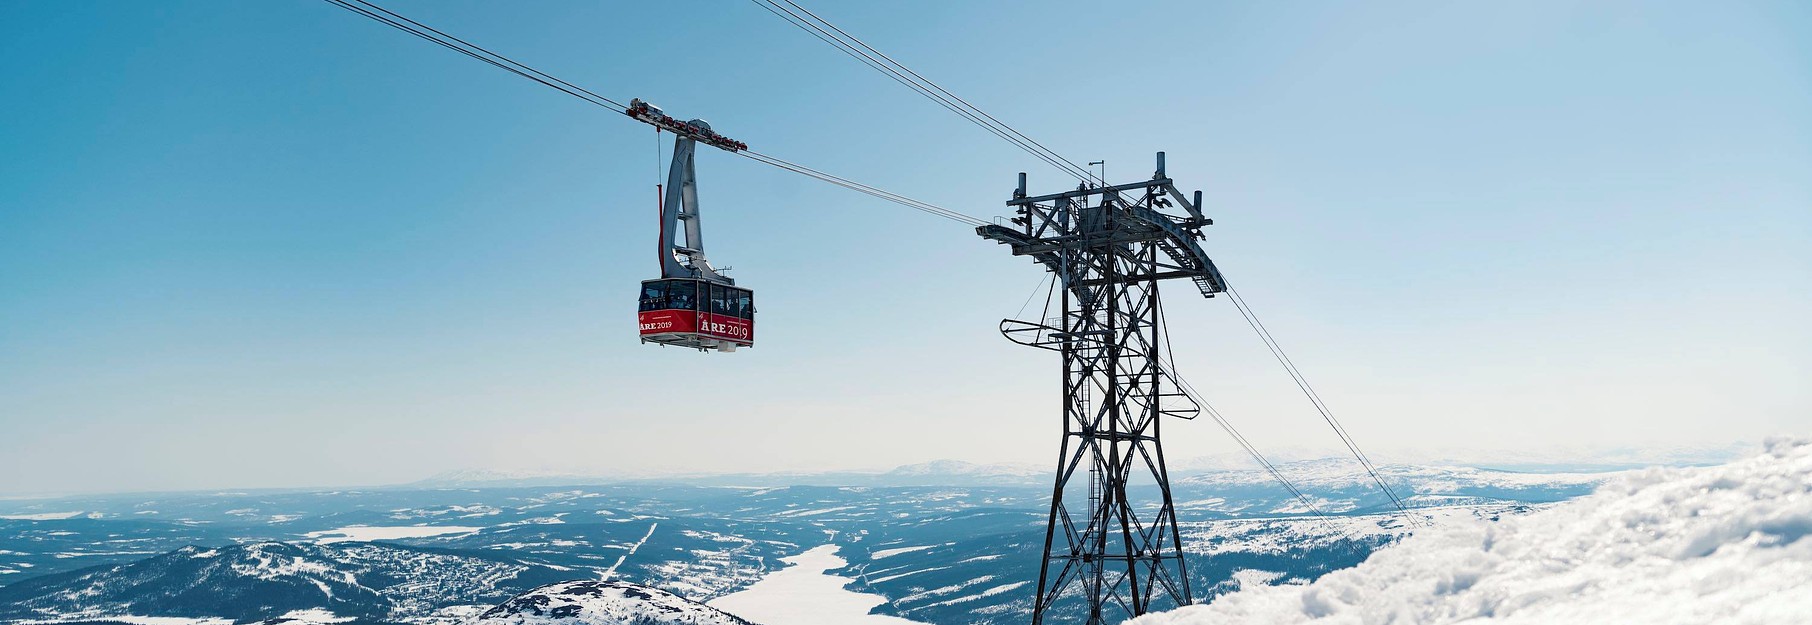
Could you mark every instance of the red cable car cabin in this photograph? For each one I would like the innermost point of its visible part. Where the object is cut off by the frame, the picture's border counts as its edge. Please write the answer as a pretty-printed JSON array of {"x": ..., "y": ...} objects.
[
  {"x": 692, "y": 304},
  {"x": 697, "y": 313}
]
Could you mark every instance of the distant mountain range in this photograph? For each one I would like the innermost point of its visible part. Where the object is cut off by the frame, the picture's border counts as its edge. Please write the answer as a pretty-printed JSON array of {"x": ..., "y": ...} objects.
[
  {"x": 1327, "y": 472},
  {"x": 934, "y": 473},
  {"x": 962, "y": 473}
]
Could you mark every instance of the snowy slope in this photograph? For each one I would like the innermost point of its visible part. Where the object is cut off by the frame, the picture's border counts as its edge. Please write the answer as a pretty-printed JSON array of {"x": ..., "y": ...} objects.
[
  {"x": 1725, "y": 544},
  {"x": 603, "y": 603}
]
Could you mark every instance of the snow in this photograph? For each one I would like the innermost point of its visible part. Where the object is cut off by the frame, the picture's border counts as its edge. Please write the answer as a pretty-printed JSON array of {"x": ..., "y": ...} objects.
[
  {"x": 367, "y": 533},
  {"x": 804, "y": 594},
  {"x": 814, "y": 512},
  {"x": 1725, "y": 544},
  {"x": 1277, "y": 535},
  {"x": 311, "y": 616},
  {"x": 1254, "y": 578},
  {"x": 889, "y": 578},
  {"x": 140, "y": 620},
  {"x": 1329, "y": 473},
  {"x": 601, "y": 603},
  {"x": 894, "y": 552},
  {"x": 43, "y": 516},
  {"x": 1001, "y": 589},
  {"x": 612, "y": 571}
]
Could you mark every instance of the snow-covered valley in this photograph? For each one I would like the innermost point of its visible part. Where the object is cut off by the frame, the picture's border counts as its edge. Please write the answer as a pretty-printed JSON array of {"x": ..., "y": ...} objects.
[
  {"x": 912, "y": 552},
  {"x": 805, "y": 593}
]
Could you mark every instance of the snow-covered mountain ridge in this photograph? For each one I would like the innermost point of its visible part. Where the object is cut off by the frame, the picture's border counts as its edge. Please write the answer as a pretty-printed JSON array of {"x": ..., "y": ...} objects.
[
  {"x": 266, "y": 580},
  {"x": 936, "y": 472},
  {"x": 593, "y": 602},
  {"x": 1723, "y": 544}
]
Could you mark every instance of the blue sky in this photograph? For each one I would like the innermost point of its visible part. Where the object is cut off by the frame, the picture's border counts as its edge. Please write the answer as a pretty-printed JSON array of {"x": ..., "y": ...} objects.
[{"x": 276, "y": 244}]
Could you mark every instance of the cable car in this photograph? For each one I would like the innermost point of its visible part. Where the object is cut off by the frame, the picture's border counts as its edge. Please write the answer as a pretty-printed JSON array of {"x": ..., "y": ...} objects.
[
  {"x": 697, "y": 313},
  {"x": 692, "y": 304}
]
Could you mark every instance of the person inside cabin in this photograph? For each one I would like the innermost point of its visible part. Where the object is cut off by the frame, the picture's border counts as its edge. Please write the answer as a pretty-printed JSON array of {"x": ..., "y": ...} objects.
[{"x": 654, "y": 296}]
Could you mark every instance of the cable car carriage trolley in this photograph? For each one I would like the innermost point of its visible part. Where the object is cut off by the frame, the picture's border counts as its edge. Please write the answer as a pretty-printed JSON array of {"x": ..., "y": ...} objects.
[{"x": 692, "y": 304}]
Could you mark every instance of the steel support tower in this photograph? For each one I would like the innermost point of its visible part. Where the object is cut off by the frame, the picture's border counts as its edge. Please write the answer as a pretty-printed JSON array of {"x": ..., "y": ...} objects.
[{"x": 1111, "y": 547}]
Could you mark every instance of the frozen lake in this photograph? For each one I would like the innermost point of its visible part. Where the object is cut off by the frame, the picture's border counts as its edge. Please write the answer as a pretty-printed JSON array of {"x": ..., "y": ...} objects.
[
  {"x": 371, "y": 532},
  {"x": 803, "y": 594}
]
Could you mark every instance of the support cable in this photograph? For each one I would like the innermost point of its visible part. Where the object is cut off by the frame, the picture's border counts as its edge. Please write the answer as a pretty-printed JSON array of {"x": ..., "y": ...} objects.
[
  {"x": 1067, "y": 164},
  {"x": 1234, "y": 433},
  {"x": 850, "y": 50},
  {"x": 1046, "y": 283},
  {"x": 1327, "y": 415},
  {"x": 461, "y": 46},
  {"x": 852, "y": 185},
  {"x": 855, "y": 48},
  {"x": 432, "y": 35}
]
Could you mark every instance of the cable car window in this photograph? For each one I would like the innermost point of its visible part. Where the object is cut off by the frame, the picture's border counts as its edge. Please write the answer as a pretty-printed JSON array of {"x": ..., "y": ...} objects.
[
  {"x": 654, "y": 296},
  {"x": 745, "y": 304},
  {"x": 718, "y": 304},
  {"x": 680, "y": 294}
]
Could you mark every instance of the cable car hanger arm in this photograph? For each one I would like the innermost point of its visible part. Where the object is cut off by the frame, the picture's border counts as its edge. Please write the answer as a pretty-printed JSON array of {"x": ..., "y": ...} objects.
[{"x": 696, "y": 130}]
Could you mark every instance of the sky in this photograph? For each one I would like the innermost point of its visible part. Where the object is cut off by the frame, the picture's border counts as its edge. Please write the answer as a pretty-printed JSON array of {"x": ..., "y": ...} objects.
[{"x": 276, "y": 244}]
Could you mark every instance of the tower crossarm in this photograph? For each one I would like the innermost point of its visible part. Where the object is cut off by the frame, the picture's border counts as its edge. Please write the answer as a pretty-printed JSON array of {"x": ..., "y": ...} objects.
[
  {"x": 1051, "y": 227},
  {"x": 1181, "y": 247}
]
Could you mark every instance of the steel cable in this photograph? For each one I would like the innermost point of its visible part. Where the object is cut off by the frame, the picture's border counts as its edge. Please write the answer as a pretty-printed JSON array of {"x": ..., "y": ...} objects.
[
  {"x": 861, "y": 51},
  {"x": 432, "y": 35},
  {"x": 1327, "y": 415}
]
